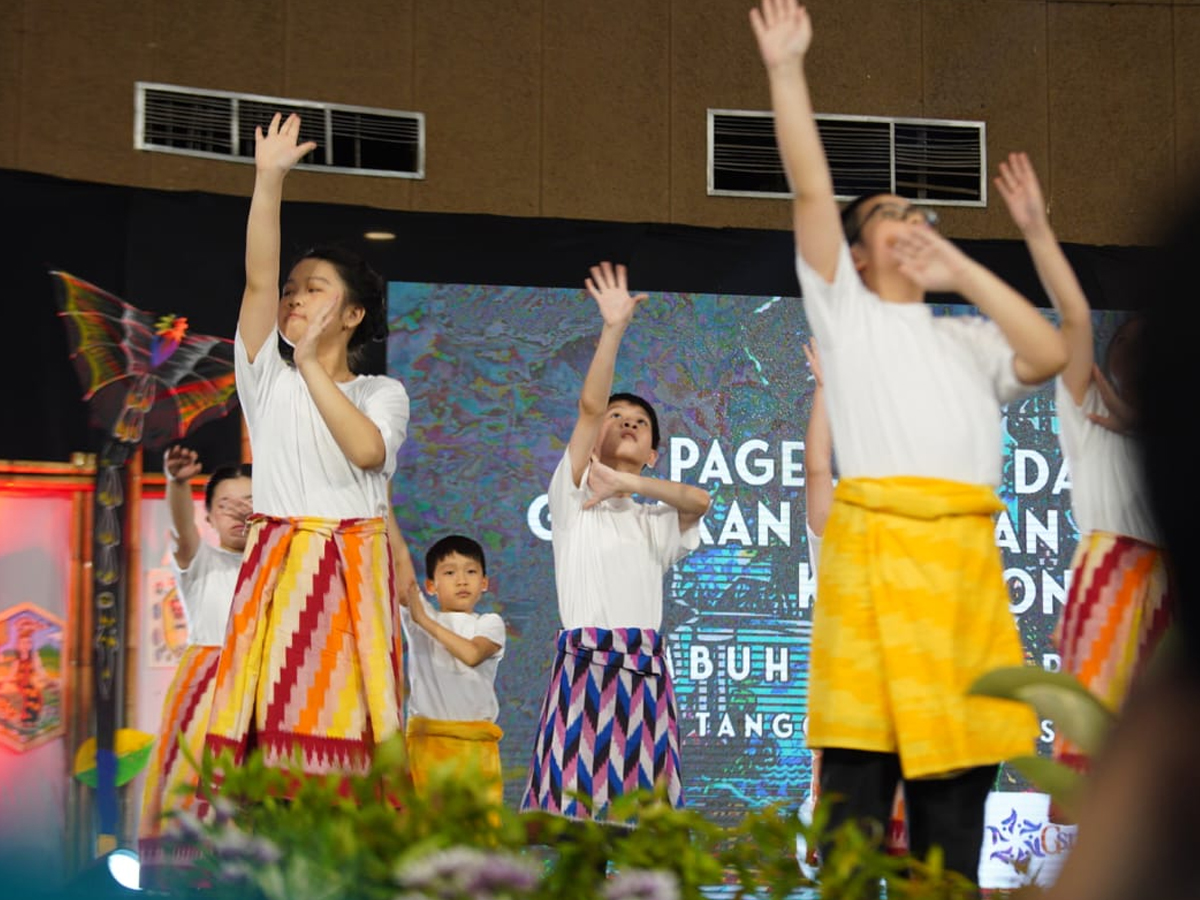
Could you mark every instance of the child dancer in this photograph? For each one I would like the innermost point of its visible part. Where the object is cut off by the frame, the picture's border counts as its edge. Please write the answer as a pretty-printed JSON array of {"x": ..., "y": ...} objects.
[
  {"x": 312, "y": 656},
  {"x": 1118, "y": 605},
  {"x": 205, "y": 576},
  {"x": 453, "y": 654},
  {"x": 912, "y": 604},
  {"x": 608, "y": 723}
]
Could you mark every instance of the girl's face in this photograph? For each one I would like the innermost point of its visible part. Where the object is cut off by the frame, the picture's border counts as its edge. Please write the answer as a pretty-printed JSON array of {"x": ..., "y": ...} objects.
[{"x": 311, "y": 286}]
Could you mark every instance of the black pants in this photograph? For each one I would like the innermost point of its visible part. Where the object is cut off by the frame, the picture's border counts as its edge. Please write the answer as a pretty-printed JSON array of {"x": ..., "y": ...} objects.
[{"x": 861, "y": 785}]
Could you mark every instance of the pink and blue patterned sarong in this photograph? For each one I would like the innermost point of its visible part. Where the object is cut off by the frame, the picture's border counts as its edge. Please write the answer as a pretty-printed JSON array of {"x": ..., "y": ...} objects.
[{"x": 608, "y": 725}]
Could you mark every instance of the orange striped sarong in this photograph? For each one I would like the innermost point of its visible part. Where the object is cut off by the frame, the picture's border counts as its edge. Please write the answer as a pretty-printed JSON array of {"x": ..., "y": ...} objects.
[
  {"x": 911, "y": 608},
  {"x": 312, "y": 662},
  {"x": 471, "y": 748},
  {"x": 184, "y": 721},
  {"x": 1118, "y": 608}
]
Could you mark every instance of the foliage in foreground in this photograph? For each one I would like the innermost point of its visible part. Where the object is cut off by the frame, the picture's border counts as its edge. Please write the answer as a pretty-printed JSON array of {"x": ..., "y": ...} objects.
[{"x": 272, "y": 836}]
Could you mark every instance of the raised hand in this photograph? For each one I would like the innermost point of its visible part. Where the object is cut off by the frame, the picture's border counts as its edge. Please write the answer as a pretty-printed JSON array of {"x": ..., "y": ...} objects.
[
  {"x": 609, "y": 286},
  {"x": 604, "y": 482},
  {"x": 180, "y": 463},
  {"x": 929, "y": 260},
  {"x": 320, "y": 321},
  {"x": 783, "y": 31},
  {"x": 278, "y": 150},
  {"x": 814, "y": 361},
  {"x": 1018, "y": 185}
]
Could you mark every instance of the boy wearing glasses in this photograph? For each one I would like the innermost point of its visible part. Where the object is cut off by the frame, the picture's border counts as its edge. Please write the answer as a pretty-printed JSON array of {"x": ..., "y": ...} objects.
[{"x": 912, "y": 601}]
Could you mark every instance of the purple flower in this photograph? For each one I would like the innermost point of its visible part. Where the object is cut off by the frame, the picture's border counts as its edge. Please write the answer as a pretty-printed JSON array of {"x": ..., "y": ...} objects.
[
  {"x": 642, "y": 884},
  {"x": 462, "y": 872}
]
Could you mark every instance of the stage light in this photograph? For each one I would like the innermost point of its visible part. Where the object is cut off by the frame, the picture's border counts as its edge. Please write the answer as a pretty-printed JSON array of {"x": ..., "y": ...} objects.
[{"x": 116, "y": 874}]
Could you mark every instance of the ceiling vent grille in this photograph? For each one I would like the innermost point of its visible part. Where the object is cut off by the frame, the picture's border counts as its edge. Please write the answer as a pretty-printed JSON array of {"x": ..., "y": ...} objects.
[
  {"x": 941, "y": 161},
  {"x": 353, "y": 140}
]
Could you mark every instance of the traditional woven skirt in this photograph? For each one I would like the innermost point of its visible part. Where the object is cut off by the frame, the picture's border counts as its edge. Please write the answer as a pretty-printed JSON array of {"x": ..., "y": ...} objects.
[
  {"x": 312, "y": 659},
  {"x": 472, "y": 748},
  {"x": 185, "y": 713},
  {"x": 1118, "y": 608},
  {"x": 608, "y": 725},
  {"x": 911, "y": 608}
]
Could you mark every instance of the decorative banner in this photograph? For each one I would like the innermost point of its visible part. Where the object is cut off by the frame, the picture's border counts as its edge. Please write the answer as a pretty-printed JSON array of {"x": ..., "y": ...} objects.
[
  {"x": 165, "y": 627},
  {"x": 31, "y": 676}
]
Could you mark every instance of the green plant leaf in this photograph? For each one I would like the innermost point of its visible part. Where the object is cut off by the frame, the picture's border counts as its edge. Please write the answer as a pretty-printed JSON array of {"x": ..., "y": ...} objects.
[
  {"x": 1061, "y": 782},
  {"x": 1077, "y": 713}
]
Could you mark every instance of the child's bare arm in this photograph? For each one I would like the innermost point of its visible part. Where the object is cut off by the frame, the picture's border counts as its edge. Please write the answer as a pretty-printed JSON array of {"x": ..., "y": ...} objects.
[
  {"x": 471, "y": 651},
  {"x": 784, "y": 32},
  {"x": 181, "y": 465},
  {"x": 934, "y": 263},
  {"x": 402, "y": 567},
  {"x": 818, "y": 451},
  {"x": 356, "y": 435},
  {"x": 604, "y": 481},
  {"x": 274, "y": 154},
  {"x": 1018, "y": 185},
  {"x": 608, "y": 286}
]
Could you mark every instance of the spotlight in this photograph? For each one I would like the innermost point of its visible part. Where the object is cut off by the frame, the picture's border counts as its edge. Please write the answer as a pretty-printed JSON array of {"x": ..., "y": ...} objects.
[{"x": 116, "y": 874}]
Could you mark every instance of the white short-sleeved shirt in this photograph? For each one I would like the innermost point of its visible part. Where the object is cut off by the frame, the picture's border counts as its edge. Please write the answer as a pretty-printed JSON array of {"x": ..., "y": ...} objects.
[
  {"x": 1107, "y": 493},
  {"x": 443, "y": 687},
  {"x": 206, "y": 588},
  {"x": 609, "y": 560},
  {"x": 909, "y": 393},
  {"x": 299, "y": 470},
  {"x": 814, "y": 548}
]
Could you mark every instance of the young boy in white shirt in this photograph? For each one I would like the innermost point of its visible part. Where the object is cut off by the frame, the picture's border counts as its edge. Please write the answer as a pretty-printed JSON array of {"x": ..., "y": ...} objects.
[
  {"x": 453, "y": 654},
  {"x": 608, "y": 723},
  {"x": 912, "y": 604}
]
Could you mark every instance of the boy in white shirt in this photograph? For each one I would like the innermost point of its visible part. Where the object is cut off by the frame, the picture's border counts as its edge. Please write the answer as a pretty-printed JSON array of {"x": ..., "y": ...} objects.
[
  {"x": 608, "y": 722},
  {"x": 912, "y": 603},
  {"x": 453, "y": 656}
]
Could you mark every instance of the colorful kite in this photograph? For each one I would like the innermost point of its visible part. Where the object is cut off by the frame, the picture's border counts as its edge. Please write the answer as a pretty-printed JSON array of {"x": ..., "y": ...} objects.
[{"x": 147, "y": 383}]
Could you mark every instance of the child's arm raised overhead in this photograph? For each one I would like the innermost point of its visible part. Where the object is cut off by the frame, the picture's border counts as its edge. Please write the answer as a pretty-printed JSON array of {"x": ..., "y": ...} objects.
[
  {"x": 608, "y": 285},
  {"x": 934, "y": 263},
  {"x": 1018, "y": 185},
  {"x": 274, "y": 154},
  {"x": 784, "y": 32},
  {"x": 471, "y": 651},
  {"x": 181, "y": 465}
]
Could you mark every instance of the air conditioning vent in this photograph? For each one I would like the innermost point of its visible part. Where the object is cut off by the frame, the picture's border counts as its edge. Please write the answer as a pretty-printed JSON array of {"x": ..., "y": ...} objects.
[
  {"x": 220, "y": 125},
  {"x": 924, "y": 160}
]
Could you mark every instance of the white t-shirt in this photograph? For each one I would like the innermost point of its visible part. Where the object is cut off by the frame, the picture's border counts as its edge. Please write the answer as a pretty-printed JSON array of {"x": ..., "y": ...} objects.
[
  {"x": 299, "y": 470},
  {"x": 609, "y": 560},
  {"x": 1107, "y": 493},
  {"x": 909, "y": 393},
  {"x": 444, "y": 687},
  {"x": 206, "y": 589}
]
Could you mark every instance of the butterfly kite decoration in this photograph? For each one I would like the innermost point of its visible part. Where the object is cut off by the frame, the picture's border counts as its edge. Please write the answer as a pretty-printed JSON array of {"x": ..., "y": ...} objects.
[{"x": 147, "y": 382}]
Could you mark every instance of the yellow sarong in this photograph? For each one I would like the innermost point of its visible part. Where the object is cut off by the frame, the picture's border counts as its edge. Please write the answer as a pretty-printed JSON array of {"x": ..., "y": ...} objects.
[
  {"x": 469, "y": 747},
  {"x": 911, "y": 608}
]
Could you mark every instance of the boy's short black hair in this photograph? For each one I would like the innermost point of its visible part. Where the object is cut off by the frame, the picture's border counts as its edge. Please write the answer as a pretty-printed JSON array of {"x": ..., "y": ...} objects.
[
  {"x": 223, "y": 473},
  {"x": 624, "y": 397},
  {"x": 453, "y": 543},
  {"x": 851, "y": 218}
]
